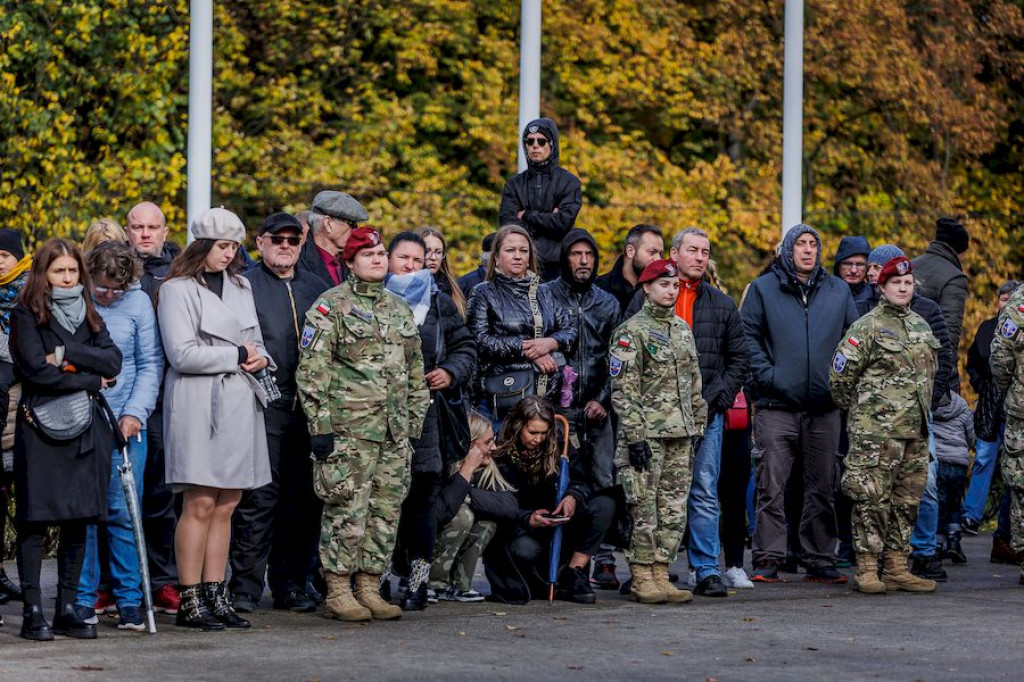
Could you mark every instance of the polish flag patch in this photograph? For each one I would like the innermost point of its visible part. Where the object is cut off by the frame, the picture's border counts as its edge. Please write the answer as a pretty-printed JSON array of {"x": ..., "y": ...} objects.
[
  {"x": 853, "y": 341},
  {"x": 624, "y": 341},
  {"x": 323, "y": 308},
  {"x": 1020, "y": 308}
]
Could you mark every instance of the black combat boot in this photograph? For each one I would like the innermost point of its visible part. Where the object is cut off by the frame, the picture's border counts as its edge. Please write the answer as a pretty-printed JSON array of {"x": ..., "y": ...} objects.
[
  {"x": 415, "y": 597},
  {"x": 193, "y": 612},
  {"x": 216, "y": 597},
  {"x": 34, "y": 625},
  {"x": 67, "y": 622}
]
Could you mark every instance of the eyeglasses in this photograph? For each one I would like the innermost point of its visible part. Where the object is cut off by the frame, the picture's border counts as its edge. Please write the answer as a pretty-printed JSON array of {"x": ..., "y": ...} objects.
[
  {"x": 277, "y": 240},
  {"x": 117, "y": 293},
  {"x": 433, "y": 254},
  {"x": 849, "y": 265},
  {"x": 536, "y": 142}
]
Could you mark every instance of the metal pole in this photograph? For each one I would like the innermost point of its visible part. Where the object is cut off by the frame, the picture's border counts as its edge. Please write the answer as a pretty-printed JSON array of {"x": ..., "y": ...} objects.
[
  {"x": 793, "y": 117},
  {"x": 200, "y": 107},
  {"x": 529, "y": 70}
]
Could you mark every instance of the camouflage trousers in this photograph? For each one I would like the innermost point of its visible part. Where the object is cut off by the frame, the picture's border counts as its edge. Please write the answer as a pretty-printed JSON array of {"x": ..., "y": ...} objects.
[
  {"x": 362, "y": 485},
  {"x": 657, "y": 501},
  {"x": 884, "y": 478},
  {"x": 1012, "y": 470},
  {"x": 459, "y": 547}
]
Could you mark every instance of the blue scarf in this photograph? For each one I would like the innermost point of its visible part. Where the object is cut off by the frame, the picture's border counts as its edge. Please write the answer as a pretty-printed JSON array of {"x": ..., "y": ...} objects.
[{"x": 415, "y": 288}]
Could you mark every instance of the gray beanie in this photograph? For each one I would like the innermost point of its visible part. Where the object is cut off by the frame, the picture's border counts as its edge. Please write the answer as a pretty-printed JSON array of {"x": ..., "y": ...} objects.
[{"x": 880, "y": 255}]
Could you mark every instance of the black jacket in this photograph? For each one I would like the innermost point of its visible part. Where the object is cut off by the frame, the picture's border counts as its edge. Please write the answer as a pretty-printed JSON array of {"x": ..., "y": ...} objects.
[
  {"x": 989, "y": 414},
  {"x": 155, "y": 269},
  {"x": 940, "y": 277},
  {"x": 456, "y": 354},
  {"x": 486, "y": 505},
  {"x": 539, "y": 190},
  {"x": 500, "y": 319},
  {"x": 470, "y": 280},
  {"x": 593, "y": 313},
  {"x": 310, "y": 261},
  {"x": 281, "y": 308},
  {"x": 619, "y": 287}
]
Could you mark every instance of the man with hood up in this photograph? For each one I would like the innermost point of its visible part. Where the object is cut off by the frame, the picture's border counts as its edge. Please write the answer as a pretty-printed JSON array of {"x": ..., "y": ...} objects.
[
  {"x": 545, "y": 198},
  {"x": 794, "y": 316},
  {"x": 585, "y": 398},
  {"x": 851, "y": 266}
]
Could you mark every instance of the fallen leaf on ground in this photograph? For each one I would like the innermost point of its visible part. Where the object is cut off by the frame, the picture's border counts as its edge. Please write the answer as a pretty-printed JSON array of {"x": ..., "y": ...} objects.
[
  {"x": 500, "y": 613},
  {"x": 462, "y": 633},
  {"x": 574, "y": 667},
  {"x": 748, "y": 619},
  {"x": 668, "y": 653},
  {"x": 812, "y": 648},
  {"x": 511, "y": 627},
  {"x": 330, "y": 638},
  {"x": 751, "y": 659}
]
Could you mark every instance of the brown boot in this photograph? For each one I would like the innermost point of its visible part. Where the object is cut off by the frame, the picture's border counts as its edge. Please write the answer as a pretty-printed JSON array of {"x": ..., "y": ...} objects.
[
  {"x": 367, "y": 594},
  {"x": 341, "y": 604},
  {"x": 895, "y": 576},
  {"x": 661, "y": 581},
  {"x": 643, "y": 588},
  {"x": 867, "y": 575}
]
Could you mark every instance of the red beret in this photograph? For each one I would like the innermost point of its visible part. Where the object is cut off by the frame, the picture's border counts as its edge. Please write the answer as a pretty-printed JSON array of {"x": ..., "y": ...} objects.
[
  {"x": 898, "y": 266},
  {"x": 364, "y": 237},
  {"x": 656, "y": 269}
]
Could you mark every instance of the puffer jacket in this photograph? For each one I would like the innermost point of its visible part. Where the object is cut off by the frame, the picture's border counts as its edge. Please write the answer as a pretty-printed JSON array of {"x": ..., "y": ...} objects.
[
  {"x": 953, "y": 428},
  {"x": 131, "y": 324},
  {"x": 592, "y": 313},
  {"x": 988, "y": 412},
  {"x": 500, "y": 318},
  {"x": 940, "y": 277}
]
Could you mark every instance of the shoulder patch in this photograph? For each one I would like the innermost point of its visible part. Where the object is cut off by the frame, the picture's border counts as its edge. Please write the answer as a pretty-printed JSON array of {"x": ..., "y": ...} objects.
[
  {"x": 853, "y": 341},
  {"x": 1009, "y": 328},
  {"x": 839, "y": 362},
  {"x": 615, "y": 366},
  {"x": 309, "y": 334},
  {"x": 322, "y": 306},
  {"x": 659, "y": 336},
  {"x": 624, "y": 341}
]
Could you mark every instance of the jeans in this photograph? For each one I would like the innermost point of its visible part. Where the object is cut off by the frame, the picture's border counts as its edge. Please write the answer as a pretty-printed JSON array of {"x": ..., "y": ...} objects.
[
  {"x": 981, "y": 480},
  {"x": 927, "y": 526},
  {"x": 951, "y": 483},
  {"x": 124, "y": 561},
  {"x": 702, "y": 506}
]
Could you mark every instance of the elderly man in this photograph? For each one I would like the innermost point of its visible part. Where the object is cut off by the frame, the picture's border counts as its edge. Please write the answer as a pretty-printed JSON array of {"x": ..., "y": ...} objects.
[{"x": 331, "y": 218}]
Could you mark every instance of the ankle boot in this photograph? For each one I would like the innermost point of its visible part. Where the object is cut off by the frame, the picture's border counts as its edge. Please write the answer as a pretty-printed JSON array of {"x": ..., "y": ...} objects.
[
  {"x": 897, "y": 577},
  {"x": 216, "y": 597},
  {"x": 341, "y": 604},
  {"x": 192, "y": 613},
  {"x": 366, "y": 593},
  {"x": 9, "y": 590},
  {"x": 68, "y": 623},
  {"x": 659, "y": 572},
  {"x": 642, "y": 587},
  {"x": 415, "y": 598},
  {"x": 34, "y": 625},
  {"x": 867, "y": 575}
]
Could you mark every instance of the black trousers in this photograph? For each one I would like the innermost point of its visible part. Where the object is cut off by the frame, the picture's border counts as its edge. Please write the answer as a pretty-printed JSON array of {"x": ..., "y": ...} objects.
[
  {"x": 583, "y": 533},
  {"x": 159, "y": 516},
  {"x": 732, "y": 495},
  {"x": 275, "y": 530},
  {"x": 70, "y": 555},
  {"x": 417, "y": 525}
]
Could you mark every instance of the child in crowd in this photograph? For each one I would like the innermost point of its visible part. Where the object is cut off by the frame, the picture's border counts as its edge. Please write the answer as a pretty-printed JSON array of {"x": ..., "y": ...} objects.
[{"x": 953, "y": 430}]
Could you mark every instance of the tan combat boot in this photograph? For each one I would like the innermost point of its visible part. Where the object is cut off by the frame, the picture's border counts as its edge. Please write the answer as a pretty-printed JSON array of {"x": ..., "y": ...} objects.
[
  {"x": 661, "y": 581},
  {"x": 341, "y": 604},
  {"x": 643, "y": 589},
  {"x": 367, "y": 594},
  {"x": 897, "y": 577},
  {"x": 867, "y": 575}
]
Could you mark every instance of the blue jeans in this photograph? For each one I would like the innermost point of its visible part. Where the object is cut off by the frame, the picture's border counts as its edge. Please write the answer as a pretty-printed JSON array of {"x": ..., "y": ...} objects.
[
  {"x": 702, "y": 508},
  {"x": 981, "y": 480},
  {"x": 124, "y": 561},
  {"x": 923, "y": 539}
]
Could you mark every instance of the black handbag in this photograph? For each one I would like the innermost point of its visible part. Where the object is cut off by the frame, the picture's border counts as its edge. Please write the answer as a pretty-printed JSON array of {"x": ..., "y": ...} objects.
[
  {"x": 450, "y": 405},
  {"x": 508, "y": 388},
  {"x": 61, "y": 418}
]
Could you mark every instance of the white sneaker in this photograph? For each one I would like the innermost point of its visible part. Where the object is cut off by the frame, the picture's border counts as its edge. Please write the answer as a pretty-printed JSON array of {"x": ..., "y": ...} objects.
[
  {"x": 737, "y": 578},
  {"x": 691, "y": 579}
]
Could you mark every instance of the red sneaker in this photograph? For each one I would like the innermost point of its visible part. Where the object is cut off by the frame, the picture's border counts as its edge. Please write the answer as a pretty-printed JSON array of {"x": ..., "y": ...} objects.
[
  {"x": 104, "y": 603},
  {"x": 166, "y": 600}
]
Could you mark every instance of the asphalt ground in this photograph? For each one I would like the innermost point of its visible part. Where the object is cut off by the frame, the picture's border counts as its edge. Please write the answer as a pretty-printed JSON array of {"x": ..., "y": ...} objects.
[{"x": 970, "y": 629}]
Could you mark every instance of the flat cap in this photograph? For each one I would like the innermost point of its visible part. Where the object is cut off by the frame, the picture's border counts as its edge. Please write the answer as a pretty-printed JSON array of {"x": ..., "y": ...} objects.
[
  {"x": 339, "y": 205},
  {"x": 218, "y": 224}
]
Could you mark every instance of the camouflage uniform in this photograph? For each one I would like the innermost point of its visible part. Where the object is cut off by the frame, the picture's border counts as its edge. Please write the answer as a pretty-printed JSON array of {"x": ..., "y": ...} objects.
[
  {"x": 360, "y": 378},
  {"x": 1007, "y": 361},
  {"x": 656, "y": 393},
  {"x": 459, "y": 547},
  {"x": 882, "y": 374}
]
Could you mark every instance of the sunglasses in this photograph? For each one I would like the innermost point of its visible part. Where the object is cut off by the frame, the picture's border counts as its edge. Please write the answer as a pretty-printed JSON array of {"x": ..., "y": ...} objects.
[
  {"x": 277, "y": 240},
  {"x": 536, "y": 142}
]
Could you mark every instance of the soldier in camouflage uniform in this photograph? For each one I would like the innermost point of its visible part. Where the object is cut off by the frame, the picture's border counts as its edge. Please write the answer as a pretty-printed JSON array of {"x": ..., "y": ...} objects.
[
  {"x": 656, "y": 392},
  {"x": 360, "y": 379},
  {"x": 882, "y": 374},
  {"x": 1007, "y": 361}
]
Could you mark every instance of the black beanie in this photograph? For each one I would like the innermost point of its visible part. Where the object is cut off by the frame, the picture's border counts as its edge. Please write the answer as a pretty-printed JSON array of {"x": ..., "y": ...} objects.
[
  {"x": 951, "y": 231},
  {"x": 10, "y": 241}
]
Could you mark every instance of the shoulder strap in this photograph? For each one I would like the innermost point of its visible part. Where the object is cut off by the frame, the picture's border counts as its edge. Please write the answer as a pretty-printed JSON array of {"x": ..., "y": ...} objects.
[{"x": 538, "y": 331}]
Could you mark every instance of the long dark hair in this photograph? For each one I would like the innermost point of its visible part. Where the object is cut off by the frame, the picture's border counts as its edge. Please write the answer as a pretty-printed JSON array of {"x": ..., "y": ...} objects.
[
  {"x": 36, "y": 294},
  {"x": 526, "y": 410},
  {"x": 192, "y": 261}
]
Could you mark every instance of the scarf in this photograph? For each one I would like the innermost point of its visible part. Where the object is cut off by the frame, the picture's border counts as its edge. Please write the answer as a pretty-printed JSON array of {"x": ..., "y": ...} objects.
[
  {"x": 22, "y": 266},
  {"x": 10, "y": 288},
  {"x": 415, "y": 288},
  {"x": 532, "y": 466},
  {"x": 68, "y": 306}
]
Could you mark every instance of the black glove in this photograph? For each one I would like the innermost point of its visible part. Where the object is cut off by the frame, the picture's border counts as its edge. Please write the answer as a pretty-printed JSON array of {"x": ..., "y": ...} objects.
[
  {"x": 323, "y": 446},
  {"x": 640, "y": 455}
]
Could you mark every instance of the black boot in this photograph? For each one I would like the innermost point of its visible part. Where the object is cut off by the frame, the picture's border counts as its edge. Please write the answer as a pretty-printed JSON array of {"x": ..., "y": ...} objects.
[
  {"x": 69, "y": 624},
  {"x": 415, "y": 597},
  {"x": 9, "y": 590},
  {"x": 34, "y": 625},
  {"x": 192, "y": 613},
  {"x": 216, "y": 597},
  {"x": 573, "y": 585}
]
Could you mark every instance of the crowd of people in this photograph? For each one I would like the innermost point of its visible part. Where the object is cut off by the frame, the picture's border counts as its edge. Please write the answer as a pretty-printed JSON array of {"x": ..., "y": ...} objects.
[{"x": 345, "y": 422}]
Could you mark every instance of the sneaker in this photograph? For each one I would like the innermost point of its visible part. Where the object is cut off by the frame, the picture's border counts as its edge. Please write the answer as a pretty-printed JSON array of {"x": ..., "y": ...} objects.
[
  {"x": 792, "y": 564},
  {"x": 691, "y": 578},
  {"x": 952, "y": 550},
  {"x": 243, "y": 603},
  {"x": 825, "y": 574},
  {"x": 737, "y": 578},
  {"x": 766, "y": 573},
  {"x": 574, "y": 585},
  {"x": 166, "y": 600},
  {"x": 928, "y": 567},
  {"x": 295, "y": 600},
  {"x": 131, "y": 619},
  {"x": 604, "y": 577},
  {"x": 87, "y": 614},
  {"x": 431, "y": 596},
  {"x": 711, "y": 586},
  {"x": 104, "y": 603},
  {"x": 970, "y": 526},
  {"x": 844, "y": 555},
  {"x": 468, "y": 596}
]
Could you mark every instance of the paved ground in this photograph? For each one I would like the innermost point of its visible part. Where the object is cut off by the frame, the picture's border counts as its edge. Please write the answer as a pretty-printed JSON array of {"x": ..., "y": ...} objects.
[{"x": 971, "y": 629}]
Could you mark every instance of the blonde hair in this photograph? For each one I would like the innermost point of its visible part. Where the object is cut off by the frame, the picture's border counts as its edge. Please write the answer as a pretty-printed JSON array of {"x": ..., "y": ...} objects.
[
  {"x": 457, "y": 297},
  {"x": 490, "y": 477},
  {"x": 103, "y": 230},
  {"x": 500, "y": 238}
]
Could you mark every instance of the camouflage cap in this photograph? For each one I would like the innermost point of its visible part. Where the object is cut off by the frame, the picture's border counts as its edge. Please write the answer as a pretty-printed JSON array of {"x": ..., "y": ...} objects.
[{"x": 339, "y": 205}]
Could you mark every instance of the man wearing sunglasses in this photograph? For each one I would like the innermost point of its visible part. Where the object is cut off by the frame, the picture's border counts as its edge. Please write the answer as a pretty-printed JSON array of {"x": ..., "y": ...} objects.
[
  {"x": 545, "y": 198},
  {"x": 279, "y": 523}
]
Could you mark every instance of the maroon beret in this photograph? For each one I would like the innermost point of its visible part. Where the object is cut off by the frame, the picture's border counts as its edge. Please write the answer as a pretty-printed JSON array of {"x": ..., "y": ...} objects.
[
  {"x": 900, "y": 265},
  {"x": 656, "y": 269},
  {"x": 364, "y": 237}
]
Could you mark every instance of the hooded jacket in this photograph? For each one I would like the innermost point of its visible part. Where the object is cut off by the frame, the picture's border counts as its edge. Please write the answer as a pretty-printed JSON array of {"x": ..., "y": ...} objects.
[
  {"x": 550, "y": 197},
  {"x": 792, "y": 329},
  {"x": 953, "y": 429},
  {"x": 853, "y": 246},
  {"x": 593, "y": 314}
]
